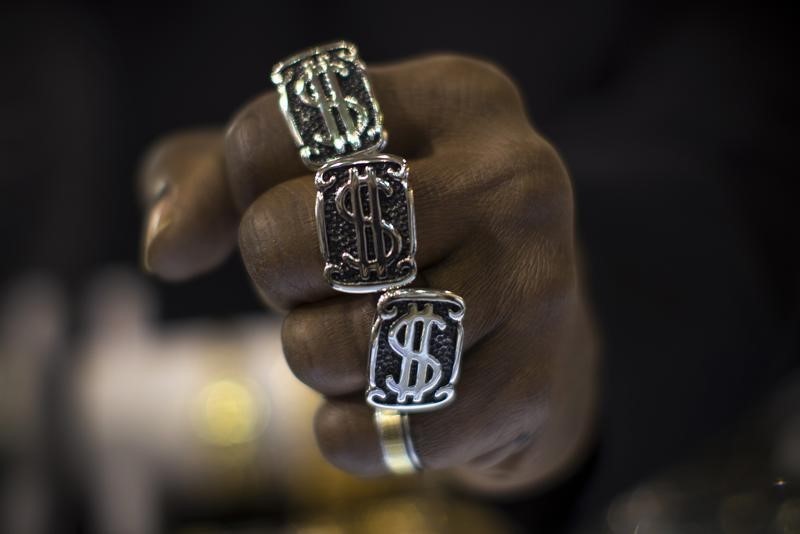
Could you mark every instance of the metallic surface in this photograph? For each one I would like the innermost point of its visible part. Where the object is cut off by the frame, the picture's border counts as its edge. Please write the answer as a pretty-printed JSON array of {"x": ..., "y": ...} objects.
[
  {"x": 415, "y": 350},
  {"x": 328, "y": 103},
  {"x": 365, "y": 223},
  {"x": 396, "y": 446}
]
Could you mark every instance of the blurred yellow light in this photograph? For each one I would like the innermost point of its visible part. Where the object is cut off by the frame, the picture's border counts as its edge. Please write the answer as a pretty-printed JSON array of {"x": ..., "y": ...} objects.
[
  {"x": 229, "y": 413},
  {"x": 399, "y": 517}
]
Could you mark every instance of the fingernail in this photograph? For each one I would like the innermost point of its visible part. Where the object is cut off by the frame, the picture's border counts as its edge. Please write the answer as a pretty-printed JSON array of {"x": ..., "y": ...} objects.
[
  {"x": 157, "y": 220},
  {"x": 159, "y": 190}
]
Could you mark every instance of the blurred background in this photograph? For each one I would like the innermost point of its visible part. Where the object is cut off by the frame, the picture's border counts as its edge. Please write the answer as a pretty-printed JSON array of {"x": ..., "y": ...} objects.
[{"x": 129, "y": 405}]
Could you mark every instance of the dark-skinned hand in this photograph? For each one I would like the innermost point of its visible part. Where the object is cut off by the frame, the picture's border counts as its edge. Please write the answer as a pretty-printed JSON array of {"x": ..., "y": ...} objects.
[{"x": 495, "y": 225}]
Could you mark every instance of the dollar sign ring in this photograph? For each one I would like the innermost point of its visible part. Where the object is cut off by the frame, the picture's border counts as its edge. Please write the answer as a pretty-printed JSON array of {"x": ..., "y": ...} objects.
[
  {"x": 365, "y": 223},
  {"x": 365, "y": 208},
  {"x": 415, "y": 353},
  {"x": 367, "y": 236},
  {"x": 327, "y": 101}
]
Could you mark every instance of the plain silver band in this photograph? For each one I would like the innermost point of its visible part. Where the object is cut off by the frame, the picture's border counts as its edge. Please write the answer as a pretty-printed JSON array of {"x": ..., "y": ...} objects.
[{"x": 398, "y": 451}]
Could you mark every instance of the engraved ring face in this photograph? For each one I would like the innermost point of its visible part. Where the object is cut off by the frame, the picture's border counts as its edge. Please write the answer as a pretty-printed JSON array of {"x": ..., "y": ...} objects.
[
  {"x": 415, "y": 350},
  {"x": 365, "y": 221},
  {"x": 328, "y": 102}
]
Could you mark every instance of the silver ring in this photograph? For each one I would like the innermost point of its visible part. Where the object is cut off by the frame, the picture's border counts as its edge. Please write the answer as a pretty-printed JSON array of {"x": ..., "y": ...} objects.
[
  {"x": 415, "y": 353},
  {"x": 367, "y": 236},
  {"x": 397, "y": 448},
  {"x": 365, "y": 211},
  {"x": 365, "y": 223},
  {"x": 328, "y": 103}
]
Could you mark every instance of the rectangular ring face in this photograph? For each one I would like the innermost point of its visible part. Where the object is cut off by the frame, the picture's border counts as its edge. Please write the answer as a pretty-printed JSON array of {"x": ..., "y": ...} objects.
[
  {"x": 415, "y": 350},
  {"x": 365, "y": 220},
  {"x": 328, "y": 102}
]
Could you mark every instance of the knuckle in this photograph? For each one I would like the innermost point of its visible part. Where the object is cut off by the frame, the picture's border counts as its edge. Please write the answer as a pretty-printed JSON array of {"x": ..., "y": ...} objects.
[
  {"x": 241, "y": 137},
  {"x": 452, "y": 63},
  {"x": 302, "y": 339},
  {"x": 273, "y": 244},
  {"x": 297, "y": 337},
  {"x": 242, "y": 126},
  {"x": 481, "y": 78},
  {"x": 553, "y": 181},
  {"x": 538, "y": 176},
  {"x": 261, "y": 257},
  {"x": 346, "y": 438},
  {"x": 524, "y": 174},
  {"x": 252, "y": 140},
  {"x": 540, "y": 200},
  {"x": 320, "y": 346},
  {"x": 329, "y": 423},
  {"x": 531, "y": 204},
  {"x": 254, "y": 231}
]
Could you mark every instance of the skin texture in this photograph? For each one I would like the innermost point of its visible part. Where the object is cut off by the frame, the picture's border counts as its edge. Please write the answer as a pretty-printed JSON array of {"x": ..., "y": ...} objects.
[{"x": 495, "y": 224}]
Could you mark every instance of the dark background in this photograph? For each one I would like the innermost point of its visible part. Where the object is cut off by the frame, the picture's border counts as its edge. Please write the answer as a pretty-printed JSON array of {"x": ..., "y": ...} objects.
[{"x": 677, "y": 125}]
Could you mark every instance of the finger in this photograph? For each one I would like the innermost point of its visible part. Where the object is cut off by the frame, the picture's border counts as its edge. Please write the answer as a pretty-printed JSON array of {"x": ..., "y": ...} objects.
[
  {"x": 278, "y": 235},
  {"x": 424, "y": 101},
  {"x": 347, "y": 423},
  {"x": 190, "y": 224},
  {"x": 259, "y": 150},
  {"x": 279, "y": 246},
  {"x": 326, "y": 343},
  {"x": 259, "y": 147},
  {"x": 441, "y": 98},
  {"x": 494, "y": 415}
]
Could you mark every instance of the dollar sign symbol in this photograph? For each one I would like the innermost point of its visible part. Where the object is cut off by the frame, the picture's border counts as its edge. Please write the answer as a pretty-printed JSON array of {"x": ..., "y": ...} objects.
[
  {"x": 371, "y": 230},
  {"x": 318, "y": 75},
  {"x": 414, "y": 350}
]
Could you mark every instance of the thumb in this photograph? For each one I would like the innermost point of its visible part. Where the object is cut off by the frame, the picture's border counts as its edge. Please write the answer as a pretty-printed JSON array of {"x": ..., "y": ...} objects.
[{"x": 190, "y": 222}]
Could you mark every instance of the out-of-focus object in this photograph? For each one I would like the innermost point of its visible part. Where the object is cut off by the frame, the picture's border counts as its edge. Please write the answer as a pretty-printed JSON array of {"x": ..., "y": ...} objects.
[
  {"x": 31, "y": 335},
  {"x": 208, "y": 412},
  {"x": 747, "y": 482},
  {"x": 162, "y": 424},
  {"x": 409, "y": 514}
]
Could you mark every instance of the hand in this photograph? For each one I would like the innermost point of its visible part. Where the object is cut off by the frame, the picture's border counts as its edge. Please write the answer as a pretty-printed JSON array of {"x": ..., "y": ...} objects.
[{"x": 495, "y": 224}]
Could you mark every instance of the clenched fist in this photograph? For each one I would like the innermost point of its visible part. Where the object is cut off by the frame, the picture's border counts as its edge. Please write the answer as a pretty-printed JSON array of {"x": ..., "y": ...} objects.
[{"x": 495, "y": 224}]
